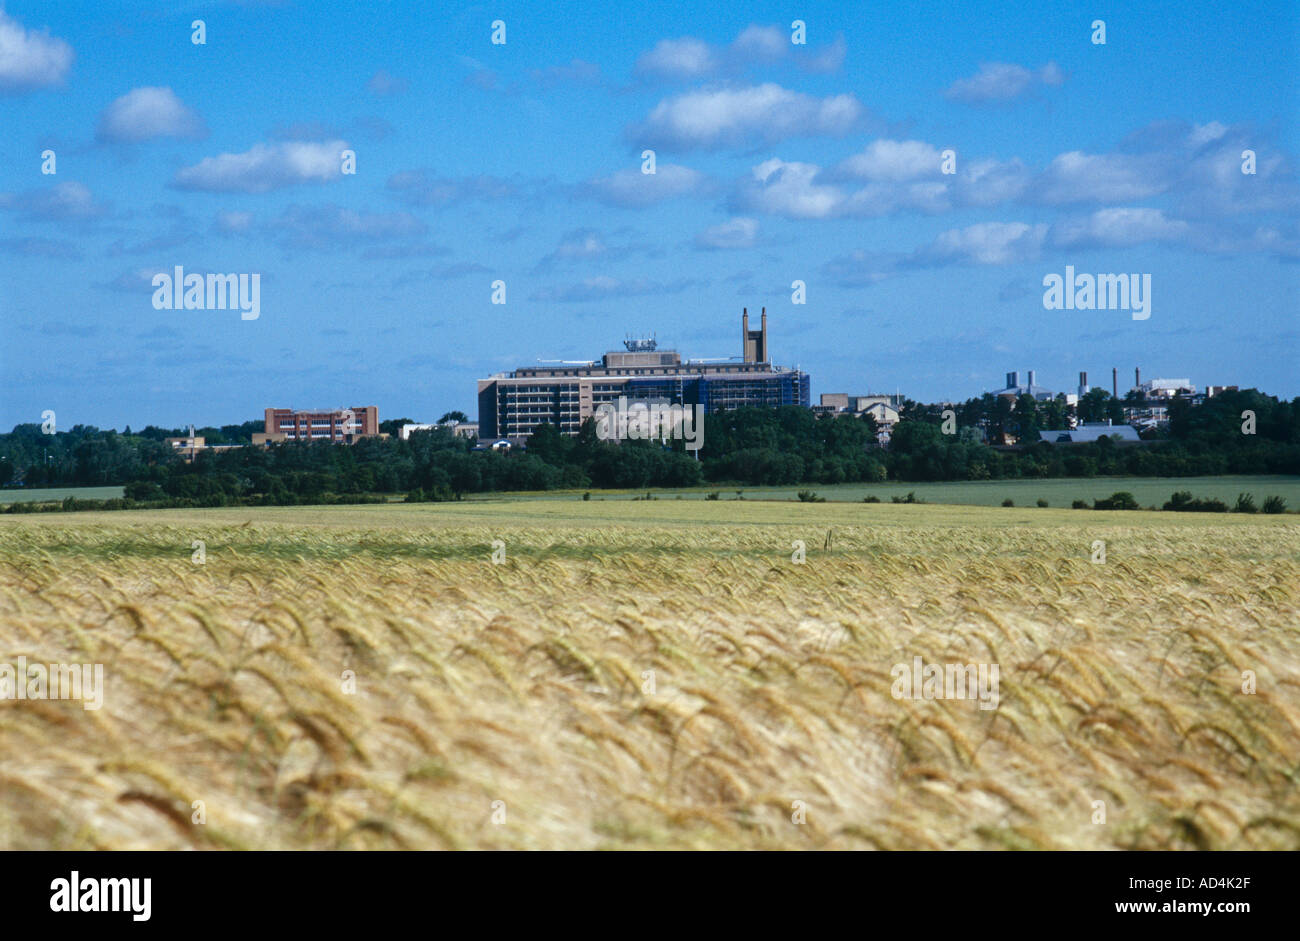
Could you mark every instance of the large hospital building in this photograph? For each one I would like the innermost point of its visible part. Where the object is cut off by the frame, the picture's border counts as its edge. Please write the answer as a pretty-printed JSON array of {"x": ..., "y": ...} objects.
[{"x": 511, "y": 405}]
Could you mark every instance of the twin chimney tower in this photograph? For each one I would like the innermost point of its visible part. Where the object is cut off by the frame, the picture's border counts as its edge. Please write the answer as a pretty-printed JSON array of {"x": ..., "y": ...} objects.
[{"x": 754, "y": 341}]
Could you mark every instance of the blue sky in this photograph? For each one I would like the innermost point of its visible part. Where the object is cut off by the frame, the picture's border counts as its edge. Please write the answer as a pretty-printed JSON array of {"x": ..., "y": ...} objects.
[{"x": 775, "y": 162}]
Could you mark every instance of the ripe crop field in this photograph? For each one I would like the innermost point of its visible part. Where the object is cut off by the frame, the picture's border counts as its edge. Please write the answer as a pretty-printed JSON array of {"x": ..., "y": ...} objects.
[{"x": 652, "y": 675}]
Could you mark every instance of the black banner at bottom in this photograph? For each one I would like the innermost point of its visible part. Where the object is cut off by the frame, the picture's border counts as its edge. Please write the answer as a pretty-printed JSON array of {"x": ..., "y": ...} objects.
[{"x": 171, "y": 891}]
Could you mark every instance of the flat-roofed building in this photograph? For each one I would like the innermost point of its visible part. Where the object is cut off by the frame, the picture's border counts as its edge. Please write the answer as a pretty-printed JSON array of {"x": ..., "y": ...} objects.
[
  {"x": 344, "y": 425},
  {"x": 512, "y": 404},
  {"x": 187, "y": 446},
  {"x": 461, "y": 429}
]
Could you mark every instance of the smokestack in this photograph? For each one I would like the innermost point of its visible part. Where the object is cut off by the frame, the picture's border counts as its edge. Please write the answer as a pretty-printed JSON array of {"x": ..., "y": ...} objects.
[
  {"x": 1114, "y": 382},
  {"x": 744, "y": 333},
  {"x": 1013, "y": 379},
  {"x": 1031, "y": 380},
  {"x": 1137, "y": 377},
  {"x": 1083, "y": 383}
]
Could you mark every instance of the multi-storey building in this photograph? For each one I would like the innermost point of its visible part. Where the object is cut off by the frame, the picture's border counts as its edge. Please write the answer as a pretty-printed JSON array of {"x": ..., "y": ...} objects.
[
  {"x": 511, "y": 405},
  {"x": 338, "y": 424}
]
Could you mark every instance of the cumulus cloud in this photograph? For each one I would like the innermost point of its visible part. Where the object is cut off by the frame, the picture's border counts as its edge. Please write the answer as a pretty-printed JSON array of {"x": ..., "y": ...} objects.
[
  {"x": 145, "y": 113},
  {"x": 1078, "y": 177},
  {"x": 1009, "y": 243},
  {"x": 740, "y": 232},
  {"x": 265, "y": 167},
  {"x": 1003, "y": 81},
  {"x": 789, "y": 189},
  {"x": 689, "y": 58},
  {"x": 632, "y": 189},
  {"x": 577, "y": 245},
  {"x": 716, "y": 118},
  {"x": 985, "y": 243},
  {"x": 1118, "y": 228},
  {"x": 761, "y": 44},
  {"x": 586, "y": 244},
  {"x": 893, "y": 161},
  {"x": 887, "y": 177},
  {"x": 61, "y": 202},
  {"x": 30, "y": 59},
  {"x": 684, "y": 58}
]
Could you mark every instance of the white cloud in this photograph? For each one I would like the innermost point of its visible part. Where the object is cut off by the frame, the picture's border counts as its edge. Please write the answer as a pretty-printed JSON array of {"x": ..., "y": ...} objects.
[
  {"x": 1118, "y": 228},
  {"x": 1003, "y": 81},
  {"x": 265, "y": 167},
  {"x": 992, "y": 182},
  {"x": 690, "y": 59},
  {"x": 1078, "y": 177},
  {"x": 788, "y": 189},
  {"x": 893, "y": 161},
  {"x": 986, "y": 243},
  {"x": 633, "y": 189},
  {"x": 30, "y": 59},
  {"x": 65, "y": 201},
  {"x": 684, "y": 58},
  {"x": 761, "y": 44},
  {"x": 738, "y": 117},
  {"x": 740, "y": 232},
  {"x": 145, "y": 113}
]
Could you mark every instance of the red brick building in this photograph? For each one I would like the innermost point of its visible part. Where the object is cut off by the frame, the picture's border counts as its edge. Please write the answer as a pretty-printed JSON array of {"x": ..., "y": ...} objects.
[{"x": 344, "y": 425}]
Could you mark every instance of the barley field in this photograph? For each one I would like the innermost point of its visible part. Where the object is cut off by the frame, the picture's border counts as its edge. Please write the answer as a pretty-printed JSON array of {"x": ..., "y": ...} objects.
[{"x": 652, "y": 675}]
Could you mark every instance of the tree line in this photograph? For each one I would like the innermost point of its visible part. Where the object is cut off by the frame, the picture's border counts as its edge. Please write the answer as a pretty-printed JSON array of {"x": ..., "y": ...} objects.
[{"x": 747, "y": 446}]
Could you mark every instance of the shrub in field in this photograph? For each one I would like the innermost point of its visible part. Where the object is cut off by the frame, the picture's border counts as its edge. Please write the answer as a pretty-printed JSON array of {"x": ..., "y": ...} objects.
[
  {"x": 910, "y": 498},
  {"x": 1183, "y": 502},
  {"x": 1008, "y": 502},
  {"x": 1275, "y": 505},
  {"x": 713, "y": 496},
  {"x": 1079, "y": 505},
  {"x": 1119, "y": 500},
  {"x": 587, "y": 495},
  {"x": 871, "y": 498},
  {"x": 1042, "y": 502},
  {"x": 810, "y": 496},
  {"x": 1245, "y": 504}
]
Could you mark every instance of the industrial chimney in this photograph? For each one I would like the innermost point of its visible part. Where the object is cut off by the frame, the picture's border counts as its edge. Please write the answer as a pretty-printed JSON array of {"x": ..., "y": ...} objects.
[
  {"x": 1013, "y": 379},
  {"x": 1031, "y": 380},
  {"x": 1137, "y": 377},
  {"x": 1114, "y": 382},
  {"x": 1083, "y": 383}
]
